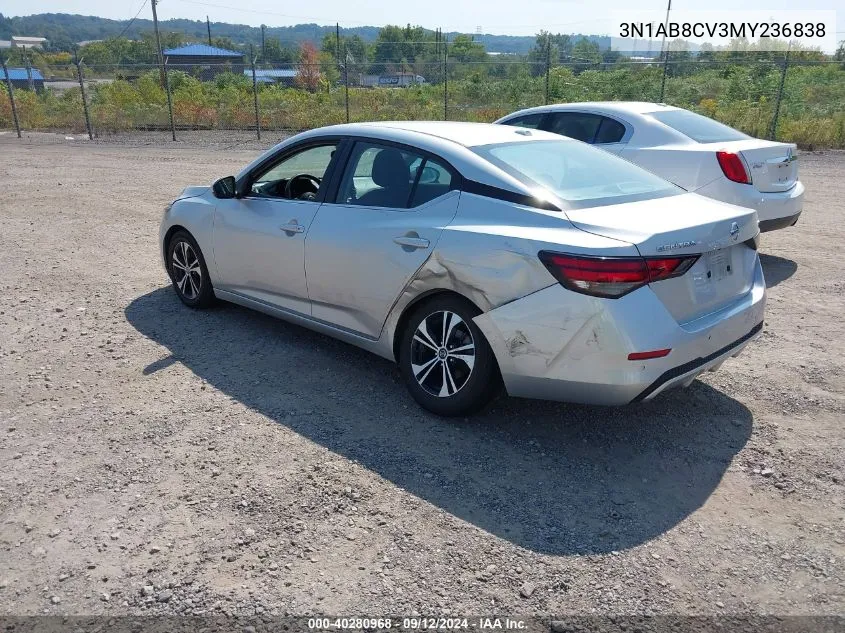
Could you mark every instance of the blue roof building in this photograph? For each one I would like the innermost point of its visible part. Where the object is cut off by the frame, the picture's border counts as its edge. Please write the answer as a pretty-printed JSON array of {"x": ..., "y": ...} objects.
[
  {"x": 273, "y": 76},
  {"x": 204, "y": 61},
  {"x": 21, "y": 80},
  {"x": 201, "y": 50}
]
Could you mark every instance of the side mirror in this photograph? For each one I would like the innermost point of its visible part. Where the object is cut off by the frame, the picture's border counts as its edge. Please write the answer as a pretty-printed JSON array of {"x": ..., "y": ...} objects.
[{"x": 224, "y": 188}]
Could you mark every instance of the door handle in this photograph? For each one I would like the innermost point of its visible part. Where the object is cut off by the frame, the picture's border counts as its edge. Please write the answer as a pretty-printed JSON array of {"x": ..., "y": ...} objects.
[
  {"x": 407, "y": 241},
  {"x": 292, "y": 227}
]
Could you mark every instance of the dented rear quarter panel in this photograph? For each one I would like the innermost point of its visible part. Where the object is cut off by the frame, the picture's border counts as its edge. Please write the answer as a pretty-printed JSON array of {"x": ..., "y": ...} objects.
[{"x": 489, "y": 255}]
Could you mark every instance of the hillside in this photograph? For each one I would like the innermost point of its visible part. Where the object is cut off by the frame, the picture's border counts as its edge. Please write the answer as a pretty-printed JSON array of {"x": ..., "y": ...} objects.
[{"x": 63, "y": 30}]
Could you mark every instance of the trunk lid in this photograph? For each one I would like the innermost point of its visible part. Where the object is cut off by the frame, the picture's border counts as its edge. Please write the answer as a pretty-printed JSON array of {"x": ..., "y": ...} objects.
[
  {"x": 686, "y": 224},
  {"x": 773, "y": 167}
]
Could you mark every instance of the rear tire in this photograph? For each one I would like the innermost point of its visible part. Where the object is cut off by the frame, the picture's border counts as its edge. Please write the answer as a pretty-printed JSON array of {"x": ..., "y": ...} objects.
[
  {"x": 188, "y": 272},
  {"x": 445, "y": 360}
]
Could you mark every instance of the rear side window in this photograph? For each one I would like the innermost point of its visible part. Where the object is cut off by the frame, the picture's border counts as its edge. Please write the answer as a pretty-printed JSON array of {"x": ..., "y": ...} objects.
[
  {"x": 385, "y": 176},
  {"x": 530, "y": 121},
  {"x": 699, "y": 128},
  {"x": 577, "y": 125},
  {"x": 610, "y": 131}
]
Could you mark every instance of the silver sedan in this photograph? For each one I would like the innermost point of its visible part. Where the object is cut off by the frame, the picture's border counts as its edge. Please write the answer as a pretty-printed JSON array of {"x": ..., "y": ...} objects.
[{"x": 478, "y": 255}]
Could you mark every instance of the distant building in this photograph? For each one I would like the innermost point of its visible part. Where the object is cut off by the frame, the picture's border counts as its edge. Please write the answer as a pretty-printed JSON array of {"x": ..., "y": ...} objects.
[
  {"x": 283, "y": 77},
  {"x": 20, "y": 41},
  {"x": 203, "y": 61},
  {"x": 392, "y": 80},
  {"x": 20, "y": 78}
]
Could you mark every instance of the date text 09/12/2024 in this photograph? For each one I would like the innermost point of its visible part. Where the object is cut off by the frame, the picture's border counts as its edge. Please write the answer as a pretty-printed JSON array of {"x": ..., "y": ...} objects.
[{"x": 416, "y": 624}]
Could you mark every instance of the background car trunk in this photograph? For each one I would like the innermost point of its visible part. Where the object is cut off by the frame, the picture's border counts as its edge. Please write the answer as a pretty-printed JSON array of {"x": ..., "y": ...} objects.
[{"x": 773, "y": 167}]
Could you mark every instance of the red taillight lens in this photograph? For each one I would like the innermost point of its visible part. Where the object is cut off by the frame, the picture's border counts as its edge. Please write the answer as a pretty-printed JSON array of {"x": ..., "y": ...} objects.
[
  {"x": 612, "y": 277},
  {"x": 732, "y": 167}
]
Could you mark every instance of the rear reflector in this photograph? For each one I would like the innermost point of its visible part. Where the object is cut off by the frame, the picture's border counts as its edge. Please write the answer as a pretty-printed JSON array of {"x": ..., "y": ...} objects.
[
  {"x": 612, "y": 277},
  {"x": 658, "y": 353},
  {"x": 732, "y": 167}
]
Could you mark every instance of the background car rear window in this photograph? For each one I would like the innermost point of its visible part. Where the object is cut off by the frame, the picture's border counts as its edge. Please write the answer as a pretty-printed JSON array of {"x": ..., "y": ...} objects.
[
  {"x": 610, "y": 131},
  {"x": 577, "y": 125},
  {"x": 531, "y": 121},
  {"x": 698, "y": 128},
  {"x": 581, "y": 175}
]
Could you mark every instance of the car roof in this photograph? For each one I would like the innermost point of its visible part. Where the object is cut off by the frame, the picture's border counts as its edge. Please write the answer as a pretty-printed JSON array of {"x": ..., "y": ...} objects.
[
  {"x": 611, "y": 107},
  {"x": 461, "y": 133}
]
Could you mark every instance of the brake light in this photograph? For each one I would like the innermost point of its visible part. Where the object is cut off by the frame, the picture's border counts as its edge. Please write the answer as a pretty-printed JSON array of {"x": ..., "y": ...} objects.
[
  {"x": 612, "y": 277},
  {"x": 732, "y": 167}
]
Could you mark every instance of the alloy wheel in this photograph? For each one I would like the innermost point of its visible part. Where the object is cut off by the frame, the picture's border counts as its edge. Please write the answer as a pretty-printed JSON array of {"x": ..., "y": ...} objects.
[
  {"x": 442, "y": 353},
  {"x": 186, "y": 269}
]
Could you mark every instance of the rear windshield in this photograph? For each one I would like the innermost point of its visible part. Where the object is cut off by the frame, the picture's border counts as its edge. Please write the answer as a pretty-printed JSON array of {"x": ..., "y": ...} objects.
[
  {"x": 578, "y": 174},
  {"x": 698, "y": 128}
]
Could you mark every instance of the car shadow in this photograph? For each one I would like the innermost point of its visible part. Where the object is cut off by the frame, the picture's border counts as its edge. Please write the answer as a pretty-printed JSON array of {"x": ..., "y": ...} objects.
[
  {"x": 549, "y": 477},
  {"x": 776, "y": 269}
]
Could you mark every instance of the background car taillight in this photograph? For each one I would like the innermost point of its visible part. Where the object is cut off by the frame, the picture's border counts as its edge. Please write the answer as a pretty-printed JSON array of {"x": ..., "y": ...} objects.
[
  {"x": 612, "y": 277},
  {"x": 732, "y": 167}
]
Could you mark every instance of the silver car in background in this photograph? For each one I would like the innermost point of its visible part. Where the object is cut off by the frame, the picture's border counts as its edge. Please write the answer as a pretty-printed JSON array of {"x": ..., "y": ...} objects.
[
  {"x": 691, "y": 150},
  {"x": 475, "y": 255}
]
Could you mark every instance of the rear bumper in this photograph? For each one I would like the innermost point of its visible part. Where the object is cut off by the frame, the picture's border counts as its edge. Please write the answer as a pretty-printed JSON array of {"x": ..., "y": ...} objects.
[
  {"x": 778, "y": 223},
  {"x": 560, "y": 345},
  {"x": 774, "y": 210}
]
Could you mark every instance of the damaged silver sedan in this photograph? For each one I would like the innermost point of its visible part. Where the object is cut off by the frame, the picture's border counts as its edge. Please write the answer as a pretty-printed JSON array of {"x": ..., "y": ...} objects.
[{"x": 478, "y": 255}]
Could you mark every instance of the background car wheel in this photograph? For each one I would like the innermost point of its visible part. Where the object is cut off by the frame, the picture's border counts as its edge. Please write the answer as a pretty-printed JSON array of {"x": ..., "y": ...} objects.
[
  {"x": 445, "y": 360},
  {"x": 188, "y": 271}
]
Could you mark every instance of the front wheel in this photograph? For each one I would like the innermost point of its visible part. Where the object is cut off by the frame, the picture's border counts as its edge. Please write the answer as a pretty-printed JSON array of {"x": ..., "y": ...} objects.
[
  {"x": 445, "y": 360},
  {"x": 188, "y": 271}
]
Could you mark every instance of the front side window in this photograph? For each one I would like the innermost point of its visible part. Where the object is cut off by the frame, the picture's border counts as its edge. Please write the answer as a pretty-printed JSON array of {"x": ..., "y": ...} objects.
[
  {"x": 296, "y": 177},
  {"x": 581, "y": 175},
  {"x": 383, "y": 176},
  {"x": 699, "y": 128}
]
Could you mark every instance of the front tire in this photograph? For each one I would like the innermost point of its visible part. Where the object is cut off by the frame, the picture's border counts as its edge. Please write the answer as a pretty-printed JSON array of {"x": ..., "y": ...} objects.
[
  {"x": 445, "y": 360},
  {"x": 188, "y": 272}
]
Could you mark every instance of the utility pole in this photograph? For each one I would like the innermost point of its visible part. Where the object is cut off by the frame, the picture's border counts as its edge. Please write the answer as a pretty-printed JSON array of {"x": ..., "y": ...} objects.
[
  {"x": 665, "y": 53},
  {"x": 28, "y": 70},
  {"x": 208, "y": 26},
  {"x": 337, "y": 41},
  {"x": 263, "y": 45},
  {"x": 158, "y": 43}
]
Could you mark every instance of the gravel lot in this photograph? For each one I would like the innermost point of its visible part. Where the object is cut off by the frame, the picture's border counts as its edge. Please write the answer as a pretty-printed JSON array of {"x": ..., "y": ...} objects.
[{"x": 161, "y": 460}]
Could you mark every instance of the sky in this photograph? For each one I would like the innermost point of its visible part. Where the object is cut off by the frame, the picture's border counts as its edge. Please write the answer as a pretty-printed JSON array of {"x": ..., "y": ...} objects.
[{"x": 520, "y": 17}]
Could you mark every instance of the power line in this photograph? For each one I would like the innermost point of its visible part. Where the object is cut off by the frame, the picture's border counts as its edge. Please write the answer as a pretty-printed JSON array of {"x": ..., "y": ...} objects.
[{"x": 126, "y": 28}]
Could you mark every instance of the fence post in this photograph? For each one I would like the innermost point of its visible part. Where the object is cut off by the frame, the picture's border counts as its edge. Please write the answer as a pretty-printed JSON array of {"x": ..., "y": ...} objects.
[
  {"x": 663, "y": 80},
  {"x": 255, "y": 94},
  {"x": 166, "y": 72},
  {"x": 445, "y": 78},
  {"x": 774, "y": 128},
  {"x": 28, "y": 70},
  {"x": 548, "y": 64},
  {"x": 11, "y": 95},
  {"x": 346, "y": 78},
  {"x": 84, "y": 99}
]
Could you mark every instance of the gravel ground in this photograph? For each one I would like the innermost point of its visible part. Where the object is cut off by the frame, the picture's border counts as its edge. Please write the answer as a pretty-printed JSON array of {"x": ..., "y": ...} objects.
[{"x": 161, "y": 460}]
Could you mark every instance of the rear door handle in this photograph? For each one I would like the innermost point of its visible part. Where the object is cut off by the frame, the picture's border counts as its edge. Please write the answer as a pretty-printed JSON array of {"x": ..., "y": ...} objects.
[
  {"x": 292, "y": 227},
  {"x": 411, "y": 242}
]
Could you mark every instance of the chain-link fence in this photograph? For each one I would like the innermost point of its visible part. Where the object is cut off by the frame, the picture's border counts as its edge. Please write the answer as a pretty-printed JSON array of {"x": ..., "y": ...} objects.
[{"x": 801, "y": 101}]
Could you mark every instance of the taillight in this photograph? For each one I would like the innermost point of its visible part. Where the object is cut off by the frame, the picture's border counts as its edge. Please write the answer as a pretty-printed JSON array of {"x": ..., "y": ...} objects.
[
  {"x": 732, "y": 167},
  {"x": 612, "y": 277}
]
